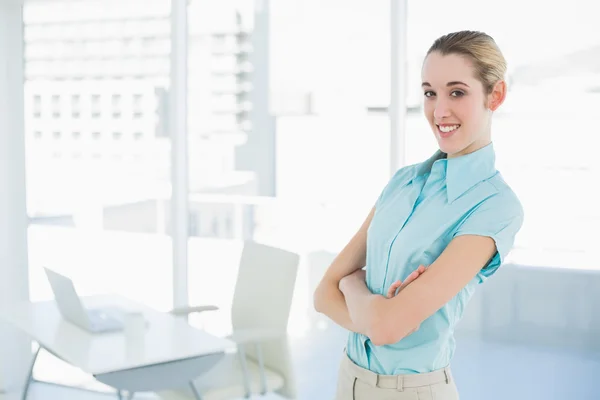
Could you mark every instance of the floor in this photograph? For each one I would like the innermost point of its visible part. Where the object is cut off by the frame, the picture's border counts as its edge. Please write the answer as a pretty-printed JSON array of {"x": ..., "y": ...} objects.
[{"x": 483, "y": 370}]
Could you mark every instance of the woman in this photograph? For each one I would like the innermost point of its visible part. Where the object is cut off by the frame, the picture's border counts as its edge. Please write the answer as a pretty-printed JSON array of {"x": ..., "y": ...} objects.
[{"x": 452, "y": 213}]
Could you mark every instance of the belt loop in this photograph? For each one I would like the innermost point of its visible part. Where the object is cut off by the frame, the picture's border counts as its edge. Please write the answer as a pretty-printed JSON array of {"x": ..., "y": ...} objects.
[
  {"x": 400, "y": 383},
  {"x": 448, "y": 375},
  {"x": 376, "y": 380}
]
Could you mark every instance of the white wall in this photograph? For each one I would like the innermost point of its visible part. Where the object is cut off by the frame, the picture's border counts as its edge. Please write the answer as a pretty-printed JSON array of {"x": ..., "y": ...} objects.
[
  {"x": 556, "y": 307},
  {"x": 14, "y": 347}
]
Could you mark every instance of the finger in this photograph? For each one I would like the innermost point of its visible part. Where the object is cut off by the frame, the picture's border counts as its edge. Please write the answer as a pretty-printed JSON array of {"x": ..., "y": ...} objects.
[
  {"x": 398, "y": 284},
  {"x": 416, "y": 273},
  {"x": 392, "y": 290},
  {"x": 413, "y": 275},
  {"x": 410, "y": 278}
]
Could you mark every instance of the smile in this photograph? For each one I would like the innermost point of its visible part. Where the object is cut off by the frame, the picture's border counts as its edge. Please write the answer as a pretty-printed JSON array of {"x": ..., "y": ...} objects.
[{"x": 447, "y": 130}]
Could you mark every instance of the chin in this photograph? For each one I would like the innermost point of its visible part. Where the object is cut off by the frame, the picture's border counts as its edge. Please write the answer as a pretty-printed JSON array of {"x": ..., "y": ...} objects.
[
  {"x": 448, "y": 147},
  {"x": 453, "y": 144}
]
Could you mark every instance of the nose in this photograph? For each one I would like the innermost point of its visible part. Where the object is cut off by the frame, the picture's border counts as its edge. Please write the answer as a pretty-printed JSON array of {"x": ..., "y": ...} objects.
[{"x": 441, "y": 109}]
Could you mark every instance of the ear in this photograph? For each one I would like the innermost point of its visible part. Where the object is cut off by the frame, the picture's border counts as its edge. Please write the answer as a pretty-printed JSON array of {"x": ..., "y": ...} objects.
[{"x": 496, "y": 98}]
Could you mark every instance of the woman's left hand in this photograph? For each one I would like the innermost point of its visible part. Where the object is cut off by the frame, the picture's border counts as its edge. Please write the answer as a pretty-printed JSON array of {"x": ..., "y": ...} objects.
[{"x": 397, "y": 286}]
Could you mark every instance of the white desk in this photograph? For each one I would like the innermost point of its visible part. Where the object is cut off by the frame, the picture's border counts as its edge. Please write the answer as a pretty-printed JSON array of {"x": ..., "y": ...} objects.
[{"x": 170, "y": 354}]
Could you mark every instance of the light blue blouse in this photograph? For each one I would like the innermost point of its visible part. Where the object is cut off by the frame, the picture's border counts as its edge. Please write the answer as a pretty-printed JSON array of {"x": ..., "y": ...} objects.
[{"x": 417, "y": 214}]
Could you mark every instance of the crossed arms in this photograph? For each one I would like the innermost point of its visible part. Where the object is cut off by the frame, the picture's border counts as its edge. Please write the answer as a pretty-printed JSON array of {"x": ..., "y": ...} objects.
[{"x": 343, "y": 296}]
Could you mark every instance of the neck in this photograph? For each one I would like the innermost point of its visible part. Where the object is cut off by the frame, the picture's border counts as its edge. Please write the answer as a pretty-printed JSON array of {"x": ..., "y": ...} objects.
[{"x": 473, "y": 147}]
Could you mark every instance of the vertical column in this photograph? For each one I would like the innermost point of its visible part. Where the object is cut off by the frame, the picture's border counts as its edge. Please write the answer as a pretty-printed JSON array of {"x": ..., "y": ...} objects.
[
  {"x": 398, "y": 70},
  {"x": 258, "y": 153},
  {"x": 15, "y": 349},
  {"x": 263, "y": 123},
  {"x": 179, "y": 153}
]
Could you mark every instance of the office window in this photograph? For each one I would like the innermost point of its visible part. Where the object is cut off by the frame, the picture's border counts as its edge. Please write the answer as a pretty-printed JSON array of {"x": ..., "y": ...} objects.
[
  {"x": 55, "y": 104},
  {"x": 37, "y": 106},
  {"x": 137, "y": 106},
  {"x": 75, "y": 106},
  {"x": 96, "y": 106},
  {"x": 116, "y": 106},
  {"x": 85, "y": 63}
]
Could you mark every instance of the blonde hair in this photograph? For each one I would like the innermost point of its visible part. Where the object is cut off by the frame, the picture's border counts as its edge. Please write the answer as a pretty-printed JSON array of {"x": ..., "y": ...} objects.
[{"x": 481, "y": 49}]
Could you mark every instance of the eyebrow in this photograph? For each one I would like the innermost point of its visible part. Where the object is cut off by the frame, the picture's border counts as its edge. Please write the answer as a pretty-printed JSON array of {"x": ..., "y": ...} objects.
[{"x": 452, "y": 83}]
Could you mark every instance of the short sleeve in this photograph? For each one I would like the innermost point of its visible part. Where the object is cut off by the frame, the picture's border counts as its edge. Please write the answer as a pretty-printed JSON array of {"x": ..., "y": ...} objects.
[{"x": 499, "y": 217}]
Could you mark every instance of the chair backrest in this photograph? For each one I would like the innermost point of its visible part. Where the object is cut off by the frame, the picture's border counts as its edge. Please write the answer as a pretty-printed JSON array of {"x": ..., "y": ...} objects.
[{"x": 262, "y": 300}]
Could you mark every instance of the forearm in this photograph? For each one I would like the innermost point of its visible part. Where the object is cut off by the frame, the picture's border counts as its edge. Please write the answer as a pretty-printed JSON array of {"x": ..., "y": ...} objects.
[
  {"x": 361, "y": 304},
  {"x": 373, "y": 315},
  {"x": 330, "y": 301}
]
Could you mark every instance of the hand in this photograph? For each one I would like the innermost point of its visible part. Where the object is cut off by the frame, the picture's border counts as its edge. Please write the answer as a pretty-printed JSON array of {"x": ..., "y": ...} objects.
[
  {"x": 359, "y": 275},
  {"x": 397, "y": 287}
]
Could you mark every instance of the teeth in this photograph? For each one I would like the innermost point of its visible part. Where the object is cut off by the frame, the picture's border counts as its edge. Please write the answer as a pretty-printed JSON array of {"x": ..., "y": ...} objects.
[{"x": 447, "y": 129}]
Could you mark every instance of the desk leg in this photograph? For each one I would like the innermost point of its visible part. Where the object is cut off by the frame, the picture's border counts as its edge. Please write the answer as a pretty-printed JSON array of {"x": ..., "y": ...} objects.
[
  {"x": 195, "y": 391},
  {"x": 30, "y": 374},
  {"x": 120, "y": 395}
]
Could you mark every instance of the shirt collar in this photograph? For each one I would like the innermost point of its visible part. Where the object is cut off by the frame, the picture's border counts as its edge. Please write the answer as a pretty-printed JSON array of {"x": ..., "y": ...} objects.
[{"x": 464, "y": 172}]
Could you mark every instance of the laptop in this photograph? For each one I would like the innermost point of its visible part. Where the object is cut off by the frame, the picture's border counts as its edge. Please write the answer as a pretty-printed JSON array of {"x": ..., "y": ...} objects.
[{"x": 72, "y": 309}]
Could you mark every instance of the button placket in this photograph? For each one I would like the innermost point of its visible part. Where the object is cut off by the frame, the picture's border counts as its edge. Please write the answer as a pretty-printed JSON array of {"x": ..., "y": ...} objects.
[{"x": 418, "y": 185}]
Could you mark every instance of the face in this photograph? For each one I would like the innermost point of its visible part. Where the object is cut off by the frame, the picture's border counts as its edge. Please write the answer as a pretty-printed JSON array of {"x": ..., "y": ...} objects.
[{"x": 456, "y": 105}]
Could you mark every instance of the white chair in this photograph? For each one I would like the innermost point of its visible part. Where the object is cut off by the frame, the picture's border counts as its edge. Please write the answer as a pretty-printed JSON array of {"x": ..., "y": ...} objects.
[{"x": 259, "y": 316}]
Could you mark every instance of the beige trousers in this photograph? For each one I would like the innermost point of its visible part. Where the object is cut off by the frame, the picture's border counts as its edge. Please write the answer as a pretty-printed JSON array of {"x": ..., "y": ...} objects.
[{"x": 356, "y": 383}]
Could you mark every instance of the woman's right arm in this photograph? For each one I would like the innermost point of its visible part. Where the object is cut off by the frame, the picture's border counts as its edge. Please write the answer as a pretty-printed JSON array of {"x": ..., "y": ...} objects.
[{"x": 328, "y": 299}]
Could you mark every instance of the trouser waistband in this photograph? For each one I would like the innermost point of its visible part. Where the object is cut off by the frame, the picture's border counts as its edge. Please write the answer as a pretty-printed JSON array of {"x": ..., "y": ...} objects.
[{"x": 398, "y": 382}]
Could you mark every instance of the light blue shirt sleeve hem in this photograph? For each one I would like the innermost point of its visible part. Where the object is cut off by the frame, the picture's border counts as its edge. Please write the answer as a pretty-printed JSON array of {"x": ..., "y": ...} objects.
[{"x": 499, "y": 218}]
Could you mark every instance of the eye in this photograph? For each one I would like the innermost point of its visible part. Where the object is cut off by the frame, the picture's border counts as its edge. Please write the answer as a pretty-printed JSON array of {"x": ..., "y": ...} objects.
[
  {"x": 429, "y": 93},
  {"x": 457, "y": 93}
]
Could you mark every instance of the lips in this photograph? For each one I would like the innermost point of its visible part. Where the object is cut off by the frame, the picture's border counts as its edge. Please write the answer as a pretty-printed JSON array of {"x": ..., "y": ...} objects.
[{"x": 446, "y": 130}]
